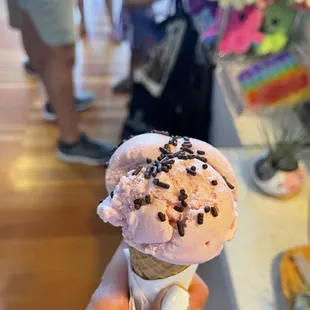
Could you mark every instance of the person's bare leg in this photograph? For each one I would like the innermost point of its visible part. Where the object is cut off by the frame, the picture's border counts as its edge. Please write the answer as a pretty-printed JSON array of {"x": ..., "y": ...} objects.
[
  {"x": 109, "y": 5},
  {"x": 54, "y": 65},
  {"x": 125, "y": 85},
  {"x": 82, "y": 23}
]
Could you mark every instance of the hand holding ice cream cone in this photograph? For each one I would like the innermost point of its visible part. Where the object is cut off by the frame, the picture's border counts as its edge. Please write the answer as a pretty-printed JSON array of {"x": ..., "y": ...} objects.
[
  {"x": 112, "y": 292},
  {"x": 175, "y": 199}
]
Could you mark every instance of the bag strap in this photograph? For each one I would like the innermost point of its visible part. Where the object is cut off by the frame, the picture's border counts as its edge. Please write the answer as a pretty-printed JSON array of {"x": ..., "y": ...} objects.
[{"x": 177, "y": 7}]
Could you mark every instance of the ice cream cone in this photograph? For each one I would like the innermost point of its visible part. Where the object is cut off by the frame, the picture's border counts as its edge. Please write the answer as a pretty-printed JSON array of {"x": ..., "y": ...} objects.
[{"x": 150, "y": 268}]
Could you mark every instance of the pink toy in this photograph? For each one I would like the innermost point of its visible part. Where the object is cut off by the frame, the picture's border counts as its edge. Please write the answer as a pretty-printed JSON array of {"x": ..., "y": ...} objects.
[{"x": 242, "y": 30}]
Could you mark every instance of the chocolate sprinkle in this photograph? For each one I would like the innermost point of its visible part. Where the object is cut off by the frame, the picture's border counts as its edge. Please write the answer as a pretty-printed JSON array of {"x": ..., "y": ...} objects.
[
  {"x": 214, "y": 182},
  {"x": 182, "y": 191},
  {"x": 184, "y": 203},
  {"x": 178, "y": 208},
  {"x": 169, "y": 166},
  {"x": 147, "y": 172},
  {"x": 207, "y": 209},
  {"x": 112, "y": 194},
  {"x": 161, "y": 216},
  {"x": 138, "y": 169},
  {"x": 200, "y": 218},
  {"x": 193, "y": 173},
  {"x": 138, "y": 201},
  {"x": 100, "y": 201},
  {"x": 176, "y": 154},
  {"x": 167, "y": 162},
  {"x": 137, "y": 206},
  {"x": 190, "y": 156},
  {"x": 228, "y": 184},
  {"x": 159, "y": 167},
  {"x": 155, "y": 181},
  {"x": 165, "y": 158},
  {"x": 201, "y": 152},
  {"x": 186, "y": 138},
  {"x": 205, "y": 166},
  {"x": 167, "y": 147},
  {"x": 106, "y": 165},
  {"x": 187, "y": 145},
  {"x": 193, "y": 168},
  {"x": 183, "y": 197},
  {"x": 180, "y": 228},
  {"x": 186, "y": 149},
  {"x": 154, "y": 171},
  {"x": 214, "y": 212},
  {"x": 164, "y": 151},
  {"x": 147, "y": 199},
  {"x": 161, "y": 184},
  {"x": 148, "y": 160},
  {"x": 165, "y": 169},
  {"x": 201, "y": 158}
]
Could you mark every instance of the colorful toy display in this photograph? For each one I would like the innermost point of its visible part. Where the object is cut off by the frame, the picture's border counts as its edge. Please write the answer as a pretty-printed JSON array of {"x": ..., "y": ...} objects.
[
  {"x": 278, "y": 79},
  {"x": 261, "y": 29}
]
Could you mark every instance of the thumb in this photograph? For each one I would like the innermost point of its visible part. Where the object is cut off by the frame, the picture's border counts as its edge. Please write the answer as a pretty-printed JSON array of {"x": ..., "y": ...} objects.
[{"x": 173, "y": 297}]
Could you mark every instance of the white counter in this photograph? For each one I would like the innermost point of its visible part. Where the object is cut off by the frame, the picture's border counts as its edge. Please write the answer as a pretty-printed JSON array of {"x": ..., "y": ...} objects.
[{"x": 266, "y": 228}]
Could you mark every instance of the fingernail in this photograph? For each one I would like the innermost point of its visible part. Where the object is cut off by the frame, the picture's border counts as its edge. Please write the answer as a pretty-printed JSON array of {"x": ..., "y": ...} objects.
[{"x": 176, "y": 298}]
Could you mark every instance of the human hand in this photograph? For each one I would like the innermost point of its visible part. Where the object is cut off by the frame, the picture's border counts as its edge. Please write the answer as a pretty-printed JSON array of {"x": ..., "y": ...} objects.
[{"x": 112, "y": 292}]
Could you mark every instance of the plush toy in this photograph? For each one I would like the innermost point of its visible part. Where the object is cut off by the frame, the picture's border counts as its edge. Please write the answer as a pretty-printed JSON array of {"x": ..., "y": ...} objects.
[
  {"x": 278, "y": 19},
  {"x": 272, "y": 44},
  {"x": 242, "y": 30}
]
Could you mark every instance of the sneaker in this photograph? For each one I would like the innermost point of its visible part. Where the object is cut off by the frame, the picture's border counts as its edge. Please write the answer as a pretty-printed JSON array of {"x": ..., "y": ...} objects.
[
  {"x": 122, "y": 87},
  {"x": 29, "y": 69},
  {"x": 85, "y": 151},
  {"x": 83, "y": 101}
]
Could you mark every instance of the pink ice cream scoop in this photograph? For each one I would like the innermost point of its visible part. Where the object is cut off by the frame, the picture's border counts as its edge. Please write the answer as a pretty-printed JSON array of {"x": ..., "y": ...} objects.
[
  {"x": 180, "y": 208},
  {"x": 135, "y": 151}
]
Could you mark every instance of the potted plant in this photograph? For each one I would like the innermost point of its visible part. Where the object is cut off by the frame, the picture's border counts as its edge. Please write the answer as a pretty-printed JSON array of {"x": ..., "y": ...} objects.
[
  {"x": 278, "y": 171},
  {"x": 302, "y": 301}
]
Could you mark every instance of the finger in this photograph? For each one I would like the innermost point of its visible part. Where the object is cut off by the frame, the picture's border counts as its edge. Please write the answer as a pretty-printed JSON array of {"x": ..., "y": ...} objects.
[
  {"x": 173, "y": 297},
  {"x": 176, "y": 297},
  {"x": 112, "y": 292},
  {"x": 199, "y": 293}
]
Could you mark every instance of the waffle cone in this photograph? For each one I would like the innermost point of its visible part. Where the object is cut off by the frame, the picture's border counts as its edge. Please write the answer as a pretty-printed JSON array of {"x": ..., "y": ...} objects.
[{"x": 150, "y": 268}]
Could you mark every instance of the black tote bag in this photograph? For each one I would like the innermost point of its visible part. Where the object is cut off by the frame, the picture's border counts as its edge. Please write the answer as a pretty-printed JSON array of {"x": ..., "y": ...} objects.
[{"x": 173, "y": 90}]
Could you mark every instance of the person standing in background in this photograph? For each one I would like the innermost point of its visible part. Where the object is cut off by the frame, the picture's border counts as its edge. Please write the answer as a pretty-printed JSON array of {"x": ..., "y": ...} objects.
[
  {"x": 140, "y": 29},
  {"x": 48, "y": 35}
]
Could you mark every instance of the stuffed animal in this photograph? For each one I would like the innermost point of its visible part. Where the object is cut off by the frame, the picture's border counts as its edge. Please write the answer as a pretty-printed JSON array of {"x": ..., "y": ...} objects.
[
  {"x": 242, "y": 30},
  {"x": 278, "y": 19}
]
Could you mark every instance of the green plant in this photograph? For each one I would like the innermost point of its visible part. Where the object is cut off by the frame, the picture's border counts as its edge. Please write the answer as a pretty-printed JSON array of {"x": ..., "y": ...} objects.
[
  {"x": 302, "y": 301},
  {"x": 286, "y": 137}
]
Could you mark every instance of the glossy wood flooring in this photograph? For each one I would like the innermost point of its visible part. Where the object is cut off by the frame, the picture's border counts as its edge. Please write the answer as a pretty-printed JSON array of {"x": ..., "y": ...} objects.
[{"x": 53, "y": 247}]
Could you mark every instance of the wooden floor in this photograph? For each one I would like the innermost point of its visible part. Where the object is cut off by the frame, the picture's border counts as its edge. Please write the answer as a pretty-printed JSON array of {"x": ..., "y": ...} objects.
[{"x": 53, "y": 247}]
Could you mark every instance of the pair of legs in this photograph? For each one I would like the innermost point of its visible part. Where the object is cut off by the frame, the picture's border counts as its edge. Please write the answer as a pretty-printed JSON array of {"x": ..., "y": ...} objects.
[
  {"x": 48, "y": 34},
  {"x": 82, "y": 23},
  {"x": 54, "y": 65}
]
